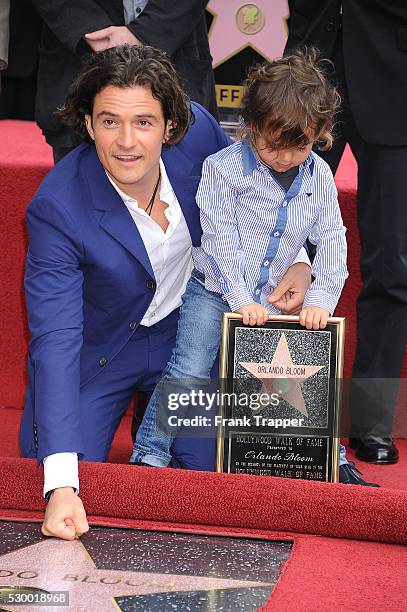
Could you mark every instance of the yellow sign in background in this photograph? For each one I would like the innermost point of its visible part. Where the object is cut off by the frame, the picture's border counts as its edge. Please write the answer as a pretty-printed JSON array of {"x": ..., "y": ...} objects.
[{"x": 229, "y": 96}]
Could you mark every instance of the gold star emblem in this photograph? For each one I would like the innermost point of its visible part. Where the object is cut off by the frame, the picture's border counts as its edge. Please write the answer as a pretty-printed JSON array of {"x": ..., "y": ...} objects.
[{"x": 282, "y": 376}]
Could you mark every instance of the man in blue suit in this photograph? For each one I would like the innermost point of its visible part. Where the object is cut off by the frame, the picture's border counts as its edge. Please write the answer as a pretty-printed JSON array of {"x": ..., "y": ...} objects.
[{"x": 110, "y": 235}]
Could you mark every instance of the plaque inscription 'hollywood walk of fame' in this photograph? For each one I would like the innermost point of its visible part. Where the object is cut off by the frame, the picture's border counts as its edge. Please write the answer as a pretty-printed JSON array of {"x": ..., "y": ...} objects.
[
  {"x": 131, "y": 570},
  {"x": 281, "y": 397}
]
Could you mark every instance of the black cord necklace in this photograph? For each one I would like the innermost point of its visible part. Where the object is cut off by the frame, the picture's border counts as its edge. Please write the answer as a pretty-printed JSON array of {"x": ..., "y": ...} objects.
[{"x": 149, "y": 207}]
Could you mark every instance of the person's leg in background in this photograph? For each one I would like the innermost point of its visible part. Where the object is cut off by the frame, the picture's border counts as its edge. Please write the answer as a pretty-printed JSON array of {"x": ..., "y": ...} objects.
[
  {"x": 382, "y": 303},
  {"x": 345, "y": 132}
]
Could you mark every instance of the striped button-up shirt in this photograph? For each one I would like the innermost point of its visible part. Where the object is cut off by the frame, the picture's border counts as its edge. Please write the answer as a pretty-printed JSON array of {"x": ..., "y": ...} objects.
[{"x": 253, "y": 229}]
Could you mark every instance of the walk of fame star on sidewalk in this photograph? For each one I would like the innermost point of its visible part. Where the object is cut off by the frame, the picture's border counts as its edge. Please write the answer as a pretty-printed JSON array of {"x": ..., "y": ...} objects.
[
  {"x": 279, "y": 372},
  {"x": 56, "y": 565}
]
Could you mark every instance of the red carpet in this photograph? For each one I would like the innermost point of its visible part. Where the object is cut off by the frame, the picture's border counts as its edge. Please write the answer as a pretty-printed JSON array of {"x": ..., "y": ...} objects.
[
  {"x": 323, "y": 573},
  {"x": 348, "y": 541},
  {"x": 227, "y": 500},
  {"x": 325, "y": 576}
]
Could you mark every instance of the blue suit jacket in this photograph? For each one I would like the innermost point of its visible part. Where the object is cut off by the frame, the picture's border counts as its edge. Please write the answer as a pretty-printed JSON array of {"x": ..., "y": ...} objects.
[{"x": 88, "y": 276}]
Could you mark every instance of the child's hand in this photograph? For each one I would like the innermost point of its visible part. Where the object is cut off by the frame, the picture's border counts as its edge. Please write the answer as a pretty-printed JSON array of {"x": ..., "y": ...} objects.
[
  {"x": 313, "y": 317},
  {"x": 253, "y": 314}
]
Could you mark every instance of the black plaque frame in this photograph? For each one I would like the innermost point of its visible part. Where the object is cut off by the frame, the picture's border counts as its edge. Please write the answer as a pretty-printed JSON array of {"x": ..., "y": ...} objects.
[{"x": 241, "y": 447}]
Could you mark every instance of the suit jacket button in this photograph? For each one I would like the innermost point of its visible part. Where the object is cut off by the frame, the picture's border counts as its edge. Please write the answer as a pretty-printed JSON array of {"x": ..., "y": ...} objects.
[
  {"x": 330, "y": 26},
  {"x": 133, "y": 325},
  {"x": 150, "y": 284},
  {"x": 102, "y": 361}
]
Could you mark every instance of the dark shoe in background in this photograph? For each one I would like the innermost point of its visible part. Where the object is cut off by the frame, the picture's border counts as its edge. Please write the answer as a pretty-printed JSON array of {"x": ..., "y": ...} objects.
[{"x": 375, "y": 450}]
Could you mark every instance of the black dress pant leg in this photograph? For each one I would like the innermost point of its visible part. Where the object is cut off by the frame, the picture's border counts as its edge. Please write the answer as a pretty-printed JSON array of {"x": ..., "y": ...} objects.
[{"x": 382, "y": 303}]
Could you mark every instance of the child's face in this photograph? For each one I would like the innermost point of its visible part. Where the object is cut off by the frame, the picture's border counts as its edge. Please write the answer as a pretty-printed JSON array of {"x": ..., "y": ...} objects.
[{"x": 281, "y": 160}]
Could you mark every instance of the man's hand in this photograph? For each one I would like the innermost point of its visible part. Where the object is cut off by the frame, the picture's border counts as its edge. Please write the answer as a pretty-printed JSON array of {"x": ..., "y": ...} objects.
[
  {"x": 313, "y": 317},
  {"x": 289, "y": 294},
  {"x": 110, "y": 37},
  {"x": 65, "y": 516},
  {"x": 253, "y": 314}
]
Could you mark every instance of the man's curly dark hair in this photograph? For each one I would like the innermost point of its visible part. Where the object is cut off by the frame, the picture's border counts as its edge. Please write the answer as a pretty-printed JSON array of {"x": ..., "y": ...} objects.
[{"x": 128, "y": 66}]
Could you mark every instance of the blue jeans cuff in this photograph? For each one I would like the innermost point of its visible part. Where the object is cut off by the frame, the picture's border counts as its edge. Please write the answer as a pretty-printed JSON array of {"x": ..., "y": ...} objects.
[
  {"x": 144, "y": 455},
  {"x": 342, "y": 458}
]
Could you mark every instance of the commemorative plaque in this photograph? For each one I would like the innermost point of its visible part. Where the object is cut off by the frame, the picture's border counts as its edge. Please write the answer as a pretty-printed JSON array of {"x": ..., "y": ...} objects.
[{"x": 280, "y": 406}]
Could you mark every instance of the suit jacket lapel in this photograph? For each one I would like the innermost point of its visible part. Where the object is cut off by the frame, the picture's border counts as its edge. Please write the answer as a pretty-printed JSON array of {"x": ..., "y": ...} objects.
[
  {"x": 185, "y": 184},
  {"x": 116, "y": 220}
]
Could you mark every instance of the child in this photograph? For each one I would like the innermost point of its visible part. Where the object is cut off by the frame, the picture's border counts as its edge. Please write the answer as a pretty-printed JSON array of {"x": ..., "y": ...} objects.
[{"x": 260, "y": 199}]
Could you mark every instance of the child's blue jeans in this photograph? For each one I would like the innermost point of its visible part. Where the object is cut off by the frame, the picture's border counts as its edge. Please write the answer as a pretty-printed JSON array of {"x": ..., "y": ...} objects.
[
  {"x": 193, "y": 357},
  {"x": 195, "y": 352}
]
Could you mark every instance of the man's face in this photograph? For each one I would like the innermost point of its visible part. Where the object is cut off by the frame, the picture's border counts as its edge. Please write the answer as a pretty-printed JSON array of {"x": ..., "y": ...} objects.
[
  {"x": 281, "y": 160},
  {"x": 129, "y": 130}
]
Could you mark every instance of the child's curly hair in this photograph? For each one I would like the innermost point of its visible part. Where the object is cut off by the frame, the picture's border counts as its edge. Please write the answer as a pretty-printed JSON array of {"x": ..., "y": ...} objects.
[{"x": 290, "y": 102}]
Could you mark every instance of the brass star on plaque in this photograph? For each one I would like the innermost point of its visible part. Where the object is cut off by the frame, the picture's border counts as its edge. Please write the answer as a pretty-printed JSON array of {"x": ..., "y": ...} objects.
[{"x": 282, "y": 376}]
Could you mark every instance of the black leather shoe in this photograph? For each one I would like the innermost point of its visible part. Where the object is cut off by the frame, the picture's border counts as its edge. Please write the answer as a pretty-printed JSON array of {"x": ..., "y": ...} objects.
[
  {"x": 349, "y": 474},
  {"x": 375, "y": 450},
  {"x": 141, "y": 463}
]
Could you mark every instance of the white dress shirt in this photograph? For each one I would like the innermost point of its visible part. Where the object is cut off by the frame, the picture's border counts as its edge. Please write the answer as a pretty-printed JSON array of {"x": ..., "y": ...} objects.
[{"x": 170, "y": 254}]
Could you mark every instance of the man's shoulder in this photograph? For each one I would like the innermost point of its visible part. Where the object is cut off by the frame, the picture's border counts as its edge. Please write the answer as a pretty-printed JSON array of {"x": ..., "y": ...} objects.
[
  {"x": 201, "y": 117},
  {"x": 63, "y": 182},
  {"x": 204, "y": 136},
  {"x": 65, "y": 173}
]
